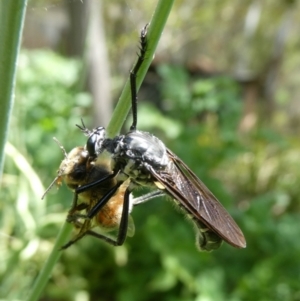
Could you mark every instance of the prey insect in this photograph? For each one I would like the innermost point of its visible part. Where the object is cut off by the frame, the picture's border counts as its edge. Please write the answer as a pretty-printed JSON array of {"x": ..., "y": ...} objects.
[
  {"x": 76, "y": 170},
  {"x": 141, "y": 159}
]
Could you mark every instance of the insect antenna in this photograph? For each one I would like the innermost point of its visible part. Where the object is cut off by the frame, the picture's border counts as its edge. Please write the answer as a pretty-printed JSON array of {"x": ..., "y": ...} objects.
[
  {"x": 61, "y": 147},
  {"x": 133, "y": 75},
  {"x": 50, "y": 186},
  {"x": 83, "y": 128},
  {"x": 57, "y": 177}
]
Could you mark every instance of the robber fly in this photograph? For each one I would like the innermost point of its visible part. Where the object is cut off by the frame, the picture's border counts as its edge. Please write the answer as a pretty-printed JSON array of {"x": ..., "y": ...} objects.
[
  {"x": 78, "y": 169},
  {"x": 141, "y": 159}
]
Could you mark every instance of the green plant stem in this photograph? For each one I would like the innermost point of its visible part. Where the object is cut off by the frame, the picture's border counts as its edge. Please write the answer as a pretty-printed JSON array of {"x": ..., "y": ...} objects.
[
  {"x": 155, "y": 29},
  {"x": 154, "y": 32},
  {"x": 45, "y": 273},
  {"x": 12, "y": 14}
]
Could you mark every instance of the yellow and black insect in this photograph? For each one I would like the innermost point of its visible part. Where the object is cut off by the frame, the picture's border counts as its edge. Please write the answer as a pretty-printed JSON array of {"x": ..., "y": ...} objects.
[{"x": 77, "y": 170}]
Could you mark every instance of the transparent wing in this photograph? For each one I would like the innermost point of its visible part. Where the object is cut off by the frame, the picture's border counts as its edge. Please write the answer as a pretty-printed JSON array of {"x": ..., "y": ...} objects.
[
  {"x": 196, "y": 199},
  {"x": 131, "y": 227}
]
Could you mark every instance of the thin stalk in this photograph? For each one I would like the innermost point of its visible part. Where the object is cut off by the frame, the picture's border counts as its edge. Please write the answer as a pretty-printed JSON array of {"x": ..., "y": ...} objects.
[
  {"x": 155, "y": 29},
  {"x": 154, "y": 32},
  {"x": 12, "y": 15},
  {"x": 45, "y": 272}
]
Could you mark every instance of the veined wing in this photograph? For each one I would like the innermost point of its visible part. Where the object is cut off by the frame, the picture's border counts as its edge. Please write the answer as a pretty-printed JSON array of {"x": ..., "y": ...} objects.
[{"x": 185, "y": 187}]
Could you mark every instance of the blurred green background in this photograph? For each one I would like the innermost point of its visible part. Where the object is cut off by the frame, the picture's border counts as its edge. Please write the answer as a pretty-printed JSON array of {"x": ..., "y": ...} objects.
[{"x": 222, "y": 93}]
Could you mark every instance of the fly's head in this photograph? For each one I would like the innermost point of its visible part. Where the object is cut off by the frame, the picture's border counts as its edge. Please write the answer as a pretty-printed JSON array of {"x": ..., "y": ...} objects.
[
  {"x": 96, "y": 139},
  {"x": 95, "y": 142}
]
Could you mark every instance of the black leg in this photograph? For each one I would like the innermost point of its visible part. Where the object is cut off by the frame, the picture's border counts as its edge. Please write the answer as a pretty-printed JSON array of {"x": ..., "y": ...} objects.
[
  {"x": 147, "y": 197},
  {"x": 86, "y": 226},
  {"x": 95, "y": 183},
  {"x": 133, "y": 74},
  {"x": 101, "y": 203},
  {"x": 73, "y": 216},
  {"x": 124, "y": 220}
]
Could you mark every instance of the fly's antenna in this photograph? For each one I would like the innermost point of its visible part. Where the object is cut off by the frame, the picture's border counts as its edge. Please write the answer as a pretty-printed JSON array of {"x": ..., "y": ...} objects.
[
  {"x": 83, "y": 128},
  {"x": 133, "y": 74}
]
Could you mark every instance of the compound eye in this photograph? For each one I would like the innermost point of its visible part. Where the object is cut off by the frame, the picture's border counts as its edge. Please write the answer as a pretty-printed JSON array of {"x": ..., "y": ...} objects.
[
  {"x": 95, "y": 141},
  {"x": 79, "y": 173},
  {"x": 90, "y": 145}
]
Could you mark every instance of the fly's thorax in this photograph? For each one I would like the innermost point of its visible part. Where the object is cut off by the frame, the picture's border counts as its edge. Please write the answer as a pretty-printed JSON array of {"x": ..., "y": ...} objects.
[
  {"x": 136, "y": 152},
  {"x": 143, "y": 146}
]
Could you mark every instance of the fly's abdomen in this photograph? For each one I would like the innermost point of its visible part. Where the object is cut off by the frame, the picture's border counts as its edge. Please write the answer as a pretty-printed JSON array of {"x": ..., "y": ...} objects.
[{"x": 206, "y": 240}]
